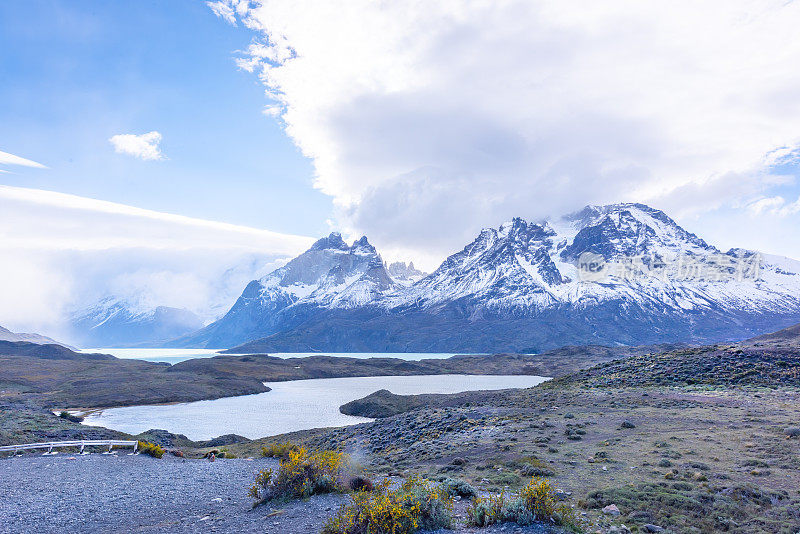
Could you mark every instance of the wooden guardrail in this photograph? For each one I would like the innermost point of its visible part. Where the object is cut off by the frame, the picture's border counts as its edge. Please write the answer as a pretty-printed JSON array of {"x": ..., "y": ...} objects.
[{"x": 50, "y": 445}]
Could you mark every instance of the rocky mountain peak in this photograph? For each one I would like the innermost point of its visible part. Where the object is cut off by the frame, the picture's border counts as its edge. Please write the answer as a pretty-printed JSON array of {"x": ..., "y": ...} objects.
[
  {"x": 628, "y": 229},
  {"x": 333, "y": 241},
  {"x": 363, "y": 246}
]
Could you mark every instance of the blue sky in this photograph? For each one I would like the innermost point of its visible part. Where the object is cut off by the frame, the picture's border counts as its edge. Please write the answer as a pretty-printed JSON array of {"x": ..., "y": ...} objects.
[
  {"x": 77, "y": 73},
  {"x": 414, "y": 123}
]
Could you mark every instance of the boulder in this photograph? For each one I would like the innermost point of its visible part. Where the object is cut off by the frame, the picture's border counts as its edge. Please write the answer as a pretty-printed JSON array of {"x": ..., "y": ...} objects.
[{"x": 611, "y": 510}]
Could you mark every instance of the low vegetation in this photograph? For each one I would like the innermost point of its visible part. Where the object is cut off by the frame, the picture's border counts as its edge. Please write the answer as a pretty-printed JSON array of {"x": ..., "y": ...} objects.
[
  {"x": 301, "y": 474},
  {"x": 413, "y": 506},
  {"x": 151, "y": 449},
  {"x": 535, "y": 502},
  {"x": 683, "y": 506},
  {"x": 70, "y": 417},
  {"x": 223, "y": 454},
  {"x": 698, "y": 366},
  {"x": 278, "y": 450},
  {"x": 460, "y": 488}
]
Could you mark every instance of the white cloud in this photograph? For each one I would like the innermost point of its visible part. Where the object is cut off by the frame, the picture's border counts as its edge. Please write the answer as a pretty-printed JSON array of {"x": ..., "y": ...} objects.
[
  {"x": 223, "y": 11},
  {"x": 11, "y": 159},
  {"x": 144, "y": 146},
  {"x": 454, "y": 115},
  {"x": 64, "y": 251},
  {"x": 776, "y": 205}
]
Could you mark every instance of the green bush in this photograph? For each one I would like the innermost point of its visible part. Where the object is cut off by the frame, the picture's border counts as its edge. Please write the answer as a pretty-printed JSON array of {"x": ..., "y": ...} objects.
[
  {"x": 151, "y": 449},
  {"x": 69, "y": 417},
  {"x": 278, "y": 450},
  {"x": 454, "y": 486},
  {"x": 483, "y": 512},
  {"x": 223, "y": 454},
  {"x": 536, "y": 470},
  {"x": 536, "y": 502},
  {"x": 415, "y": 505}
]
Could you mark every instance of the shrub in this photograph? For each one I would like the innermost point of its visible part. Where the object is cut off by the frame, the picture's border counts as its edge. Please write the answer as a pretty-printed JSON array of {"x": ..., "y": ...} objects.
[
  {"x": 534, "y": 502},
  {"x": 301, "y": 474},
  {"x": 415, "y": 505},
  {"x": 537, "y": 502},
  {"x": 792, "y": 432},
  {"x": 278, "y": 450},
  {"x": 454, "y": 486},
  {"x": 536, "y": 470},
  {"x": 223, "y": 454},
  {"x": 538, "y": 498},
  {"x": 69, "y": 417},
  {"x": 145, "y": 447},
  {"x": 483, "y": 512},
  {"x": 359, "y": 483}
]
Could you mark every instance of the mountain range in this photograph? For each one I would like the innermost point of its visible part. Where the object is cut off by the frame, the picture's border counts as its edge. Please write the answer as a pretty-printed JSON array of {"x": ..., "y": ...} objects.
[
  {"x": 114, "y": 323},
  {"x": 618, "y": 274}
]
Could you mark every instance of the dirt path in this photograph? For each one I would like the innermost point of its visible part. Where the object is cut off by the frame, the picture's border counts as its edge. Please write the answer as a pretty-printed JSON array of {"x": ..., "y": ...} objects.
[{"x": 121, "y": 493}]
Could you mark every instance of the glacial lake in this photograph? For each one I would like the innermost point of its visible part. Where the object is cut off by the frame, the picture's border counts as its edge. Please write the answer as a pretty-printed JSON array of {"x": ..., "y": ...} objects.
[
  {"x": 290, "y": 406},
  {"x": 173, "y": 356}
]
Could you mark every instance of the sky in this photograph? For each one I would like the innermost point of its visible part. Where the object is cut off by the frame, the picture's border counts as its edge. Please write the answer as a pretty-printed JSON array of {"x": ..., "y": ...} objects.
[{"x": 167, "y": 152}]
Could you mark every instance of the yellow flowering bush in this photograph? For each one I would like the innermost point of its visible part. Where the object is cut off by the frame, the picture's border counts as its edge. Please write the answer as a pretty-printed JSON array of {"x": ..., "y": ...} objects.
[
  {"x": 145, "y": 447},
  {"x": 536, "y": 502},
  {"x": 301, "y": 474},
  {"x": 415, "y": 505},
  {"x": 538, "y": 498}
]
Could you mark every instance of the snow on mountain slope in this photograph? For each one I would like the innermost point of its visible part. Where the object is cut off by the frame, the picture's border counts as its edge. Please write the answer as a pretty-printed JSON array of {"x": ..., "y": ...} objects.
[
  {"x": 623, "y": 273},
  {"x": 522, "y": 268},
  {"x": 114, "y": 323},
  {"x": 329, "y": 275}
]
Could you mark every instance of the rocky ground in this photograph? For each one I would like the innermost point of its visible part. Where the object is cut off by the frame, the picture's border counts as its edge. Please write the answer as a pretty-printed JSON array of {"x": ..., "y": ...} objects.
[
  {"x": 121, "y": 493},
  {"x": 684, "y": 458},
  {"x": 693, "y": 440}
]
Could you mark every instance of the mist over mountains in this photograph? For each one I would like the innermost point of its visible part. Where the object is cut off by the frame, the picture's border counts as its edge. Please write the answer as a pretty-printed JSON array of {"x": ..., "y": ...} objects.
[{"x": 522, "y": 287}]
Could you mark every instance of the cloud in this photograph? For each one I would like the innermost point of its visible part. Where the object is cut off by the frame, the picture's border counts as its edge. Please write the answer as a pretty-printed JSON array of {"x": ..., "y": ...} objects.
[
  {"x": 11, "y": 159},
  {"x": 144, "y": 146},
  {"x": 455, "y": 115},
  {"x": 63, "y": 252},
  {"x": 776, "y": 205},
  {"x": 223, "y": 11}
]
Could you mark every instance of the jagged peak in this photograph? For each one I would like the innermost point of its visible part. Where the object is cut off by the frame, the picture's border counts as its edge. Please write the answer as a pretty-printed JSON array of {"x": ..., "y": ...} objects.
[
  {"x": 363, "y": 245},
  {"x": 402, "y": 270},
  {"x": 593, "y": 212},
  {"x": 519, "y": 228},
  {"x": 333, "y": 241}
]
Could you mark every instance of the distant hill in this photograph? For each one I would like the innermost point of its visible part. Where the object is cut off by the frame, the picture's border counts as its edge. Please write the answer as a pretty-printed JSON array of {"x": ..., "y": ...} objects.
[
  {"x": 8, "y": 335},
  {"x": 47, "y": 352},
  {"x": 56, "y": 376},
  {"x": 788, "y": 338}
]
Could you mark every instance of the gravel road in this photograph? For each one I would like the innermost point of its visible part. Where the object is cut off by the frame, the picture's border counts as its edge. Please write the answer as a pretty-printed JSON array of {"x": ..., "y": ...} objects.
[{"x": 121, "y": 493}]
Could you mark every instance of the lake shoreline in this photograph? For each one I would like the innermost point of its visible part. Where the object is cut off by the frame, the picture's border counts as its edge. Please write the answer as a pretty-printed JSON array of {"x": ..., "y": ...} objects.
[{"x": 290, "y": 406}]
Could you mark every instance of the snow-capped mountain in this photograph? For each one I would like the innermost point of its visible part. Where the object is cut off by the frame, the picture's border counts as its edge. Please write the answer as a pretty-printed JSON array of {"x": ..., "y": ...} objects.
[
  {"x": 329, "y": 275},
  {"x": 623, "y": 273},
  {"x": 114, "y": 323},
  {"x": 524, "y": 268},
  {"x": 404, "y": 274}
]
